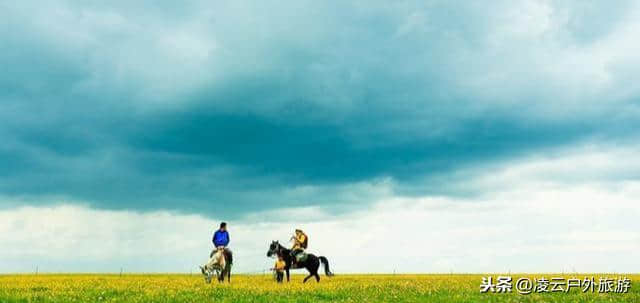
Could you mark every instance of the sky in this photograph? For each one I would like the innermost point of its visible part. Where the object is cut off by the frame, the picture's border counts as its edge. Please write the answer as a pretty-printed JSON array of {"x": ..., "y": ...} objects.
[{"x": 407, "y": 136}]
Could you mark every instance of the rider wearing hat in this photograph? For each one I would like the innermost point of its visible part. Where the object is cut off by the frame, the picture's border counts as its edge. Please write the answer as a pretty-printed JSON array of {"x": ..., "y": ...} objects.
[{"x": 299, "y": 245}]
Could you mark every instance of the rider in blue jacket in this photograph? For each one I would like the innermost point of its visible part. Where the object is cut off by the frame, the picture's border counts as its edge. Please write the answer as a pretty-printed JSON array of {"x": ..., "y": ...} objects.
[
  {"x": 221, "y": 236},
  {"x": 220, "y": 241}
]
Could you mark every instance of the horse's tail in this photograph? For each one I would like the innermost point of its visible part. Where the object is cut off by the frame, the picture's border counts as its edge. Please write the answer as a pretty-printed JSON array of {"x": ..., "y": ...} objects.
[{"x": 325, "y": 263}]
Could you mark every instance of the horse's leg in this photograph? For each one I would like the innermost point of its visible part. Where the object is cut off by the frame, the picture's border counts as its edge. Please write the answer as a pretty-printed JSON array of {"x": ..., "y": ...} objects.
[
  {"x": 287, "y": 274},
  {"x": 229, "y": 274},
  {"x": 307, "y": 278},
  {"x": 312, "y": 266}
]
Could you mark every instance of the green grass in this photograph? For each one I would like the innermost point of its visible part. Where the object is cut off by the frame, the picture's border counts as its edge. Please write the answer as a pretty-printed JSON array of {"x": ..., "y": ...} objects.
[{"x": 341, "y": 288}]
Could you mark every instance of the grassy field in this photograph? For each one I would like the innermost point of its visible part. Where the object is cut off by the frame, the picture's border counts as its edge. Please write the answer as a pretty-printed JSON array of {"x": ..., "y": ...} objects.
[{"x": 341, "y": 288}]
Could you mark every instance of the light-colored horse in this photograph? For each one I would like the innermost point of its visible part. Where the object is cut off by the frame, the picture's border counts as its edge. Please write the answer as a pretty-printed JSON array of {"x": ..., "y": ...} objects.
[{"x": 216, "y": 265}]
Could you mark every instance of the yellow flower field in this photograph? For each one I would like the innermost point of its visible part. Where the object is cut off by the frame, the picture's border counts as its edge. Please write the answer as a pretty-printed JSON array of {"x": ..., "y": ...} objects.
[{"x": 259, "y": 288}]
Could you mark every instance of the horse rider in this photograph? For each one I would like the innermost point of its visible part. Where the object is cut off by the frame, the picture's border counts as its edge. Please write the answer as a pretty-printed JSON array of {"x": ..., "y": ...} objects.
[
  {"x": 221, "y": 239},
  {"x": 300, "y": 242}
]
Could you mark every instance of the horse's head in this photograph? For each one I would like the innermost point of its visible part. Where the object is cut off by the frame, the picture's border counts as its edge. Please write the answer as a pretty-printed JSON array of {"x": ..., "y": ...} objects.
[
  {"x": 207, "y": 273},
  {"x": 273, "y": 248}
]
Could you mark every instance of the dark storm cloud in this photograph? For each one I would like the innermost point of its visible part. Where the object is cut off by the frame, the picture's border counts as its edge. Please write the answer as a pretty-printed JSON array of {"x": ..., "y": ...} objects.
[{"x": 233, "y": 107}]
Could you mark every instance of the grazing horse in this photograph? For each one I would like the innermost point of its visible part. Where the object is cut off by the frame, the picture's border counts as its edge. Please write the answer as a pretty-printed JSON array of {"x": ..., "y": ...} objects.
[
  {"x": 219, "y": 264},
  {"x": 311, "y": 263}
]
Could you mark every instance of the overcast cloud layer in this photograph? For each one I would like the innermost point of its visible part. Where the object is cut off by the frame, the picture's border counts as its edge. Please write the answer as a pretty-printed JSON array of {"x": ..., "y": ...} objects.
[
  {"x": 535, "y": 222},
  {"x": 232, "y": 109}
]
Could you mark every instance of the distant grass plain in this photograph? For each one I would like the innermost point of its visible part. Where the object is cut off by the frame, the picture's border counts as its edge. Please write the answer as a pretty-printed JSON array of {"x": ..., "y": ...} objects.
[{"x": 262, "y": 288}]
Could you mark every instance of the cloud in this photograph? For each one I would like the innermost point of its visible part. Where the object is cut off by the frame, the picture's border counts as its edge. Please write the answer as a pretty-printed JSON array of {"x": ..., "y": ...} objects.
[
  {"x": 238, "y": 107},
  {"x": 532, "y": 224}
]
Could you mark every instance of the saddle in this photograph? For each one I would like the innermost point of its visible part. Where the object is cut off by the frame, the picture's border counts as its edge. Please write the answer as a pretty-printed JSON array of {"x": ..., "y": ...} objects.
[{"x": 299, "y": 258}]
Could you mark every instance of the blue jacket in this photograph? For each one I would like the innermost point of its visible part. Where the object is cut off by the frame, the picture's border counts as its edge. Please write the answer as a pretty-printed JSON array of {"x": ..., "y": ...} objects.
[{"x": 220, "y": 238}]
